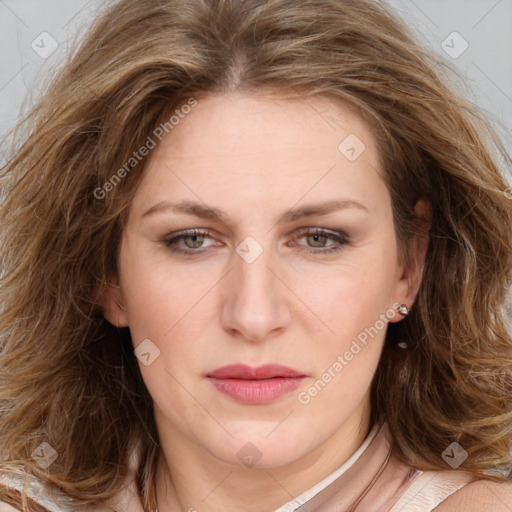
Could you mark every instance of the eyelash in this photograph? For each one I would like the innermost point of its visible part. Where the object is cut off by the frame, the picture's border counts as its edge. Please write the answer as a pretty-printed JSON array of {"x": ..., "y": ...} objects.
[{"x": 338, "y": 237}]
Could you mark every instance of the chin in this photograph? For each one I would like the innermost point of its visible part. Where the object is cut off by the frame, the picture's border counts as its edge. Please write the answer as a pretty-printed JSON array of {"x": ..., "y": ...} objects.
[{"x": 262, "y": 451}]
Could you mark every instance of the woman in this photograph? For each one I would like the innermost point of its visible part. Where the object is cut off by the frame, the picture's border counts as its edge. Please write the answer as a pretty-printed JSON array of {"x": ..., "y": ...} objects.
[{"x": 255, "y": 257}]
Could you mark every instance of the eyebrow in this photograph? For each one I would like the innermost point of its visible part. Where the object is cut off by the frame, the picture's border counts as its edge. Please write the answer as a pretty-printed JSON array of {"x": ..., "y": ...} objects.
[{"x": 293, "y": 214}]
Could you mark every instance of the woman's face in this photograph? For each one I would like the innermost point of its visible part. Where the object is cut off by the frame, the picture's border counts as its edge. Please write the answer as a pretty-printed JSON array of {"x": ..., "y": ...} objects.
[{"x": 261, "y": 235}]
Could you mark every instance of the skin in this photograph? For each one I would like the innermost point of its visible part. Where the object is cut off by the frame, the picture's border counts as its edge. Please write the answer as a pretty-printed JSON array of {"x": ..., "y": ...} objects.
[{"x": 253, "y": 158}]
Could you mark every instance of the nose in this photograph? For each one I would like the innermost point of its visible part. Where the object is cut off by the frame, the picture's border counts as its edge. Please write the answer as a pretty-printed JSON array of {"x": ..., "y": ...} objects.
[{"x": 255, "y": 303}]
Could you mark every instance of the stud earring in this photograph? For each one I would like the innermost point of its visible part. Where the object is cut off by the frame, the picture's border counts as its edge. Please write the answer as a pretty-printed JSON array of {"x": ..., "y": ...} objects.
[{"x": 403, "y": 310}]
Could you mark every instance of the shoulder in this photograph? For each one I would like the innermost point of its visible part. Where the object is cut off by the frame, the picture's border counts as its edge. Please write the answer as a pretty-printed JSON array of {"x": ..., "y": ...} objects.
[
  {"x": 480, "y": 496},
  {"x": 4, "y": 507},
  {"x": 14, "y": 491},
  {"x": 8, "y": 494}
]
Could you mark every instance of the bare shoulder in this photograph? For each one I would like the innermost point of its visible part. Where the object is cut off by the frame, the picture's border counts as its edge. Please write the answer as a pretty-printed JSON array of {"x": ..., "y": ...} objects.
[
  {"x": 4, "y": 507},
  {"x": 480, "y": 496}
]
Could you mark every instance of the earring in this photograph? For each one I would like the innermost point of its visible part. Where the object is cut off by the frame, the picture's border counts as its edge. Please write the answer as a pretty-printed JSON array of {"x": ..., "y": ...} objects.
[{"x": 403, "y": 310}]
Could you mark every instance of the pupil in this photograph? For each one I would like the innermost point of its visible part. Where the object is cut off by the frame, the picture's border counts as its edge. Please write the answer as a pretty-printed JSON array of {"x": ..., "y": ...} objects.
[
  {"x": 318, "y": 239},
  {"x": 195, "y": 240}
]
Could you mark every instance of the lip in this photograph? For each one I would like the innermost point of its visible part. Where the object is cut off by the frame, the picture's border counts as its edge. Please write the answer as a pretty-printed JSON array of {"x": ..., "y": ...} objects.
[{"x": 255, "y": 385}]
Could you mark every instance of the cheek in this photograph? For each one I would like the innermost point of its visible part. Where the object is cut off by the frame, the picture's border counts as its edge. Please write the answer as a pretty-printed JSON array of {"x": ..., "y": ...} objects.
[
  {"x": 347, "y": 300},
  {"x": 169, "y": 308},
  {"x": 347, "y": 352},
  {"x": 160, "y": 296},
  {"x": 175, "y": 310}
]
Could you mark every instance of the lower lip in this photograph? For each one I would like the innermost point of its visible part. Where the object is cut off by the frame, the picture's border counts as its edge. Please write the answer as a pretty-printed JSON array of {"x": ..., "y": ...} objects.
[{"x": 254, "y": 392}]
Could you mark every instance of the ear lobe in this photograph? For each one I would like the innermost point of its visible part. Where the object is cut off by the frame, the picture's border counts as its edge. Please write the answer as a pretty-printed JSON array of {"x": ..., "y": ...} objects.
[{"x": 112, "y": 305}]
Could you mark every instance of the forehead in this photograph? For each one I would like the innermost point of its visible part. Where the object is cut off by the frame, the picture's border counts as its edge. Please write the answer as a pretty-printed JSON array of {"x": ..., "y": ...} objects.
[
  {"x": 263, "y": 147},
  {"x": 234, "y": 123}
]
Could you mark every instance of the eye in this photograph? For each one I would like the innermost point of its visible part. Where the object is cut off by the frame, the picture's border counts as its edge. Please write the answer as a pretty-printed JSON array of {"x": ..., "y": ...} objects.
[
  {"x": 196, "y": 241},
  {"x": 321, "y": 241},
  {"x": 187, "y": 242}
]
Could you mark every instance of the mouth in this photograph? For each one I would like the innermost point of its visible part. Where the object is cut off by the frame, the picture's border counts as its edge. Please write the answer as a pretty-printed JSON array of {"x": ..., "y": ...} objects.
[{"x": 255, "y": 385}]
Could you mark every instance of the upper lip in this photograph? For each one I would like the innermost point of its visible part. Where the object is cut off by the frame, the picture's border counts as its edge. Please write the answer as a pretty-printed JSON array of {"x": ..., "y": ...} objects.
[{"x": 243, "y": 371}]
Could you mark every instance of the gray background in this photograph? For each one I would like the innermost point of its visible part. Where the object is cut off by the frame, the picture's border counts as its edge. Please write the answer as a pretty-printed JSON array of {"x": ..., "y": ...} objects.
[{"x": 486, "y": 26}]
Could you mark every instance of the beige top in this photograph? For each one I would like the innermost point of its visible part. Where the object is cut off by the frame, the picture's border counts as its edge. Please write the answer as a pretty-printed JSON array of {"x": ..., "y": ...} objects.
[{"x": 373, "y": 479}]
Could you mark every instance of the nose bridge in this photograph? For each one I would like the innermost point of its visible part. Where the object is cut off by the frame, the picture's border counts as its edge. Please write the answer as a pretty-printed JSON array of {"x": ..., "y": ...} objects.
[
  {"x": 254, "y": 279},
  {"x": 255, "y": 304}
]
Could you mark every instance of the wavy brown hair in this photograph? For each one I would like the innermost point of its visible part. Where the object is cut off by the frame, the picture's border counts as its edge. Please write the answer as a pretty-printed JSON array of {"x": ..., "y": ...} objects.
[{"x": 70, "y": 378}]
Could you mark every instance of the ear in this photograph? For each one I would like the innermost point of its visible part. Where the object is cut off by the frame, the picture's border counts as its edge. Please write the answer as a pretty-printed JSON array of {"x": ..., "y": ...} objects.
[
  {"x": 111, "y": 301},
  {"x": 411, "y": 270}
]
